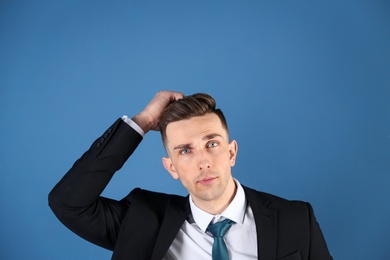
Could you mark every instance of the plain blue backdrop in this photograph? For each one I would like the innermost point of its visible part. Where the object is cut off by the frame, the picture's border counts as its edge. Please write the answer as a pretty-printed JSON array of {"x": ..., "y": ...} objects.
[{"x": 305, "y": 86}]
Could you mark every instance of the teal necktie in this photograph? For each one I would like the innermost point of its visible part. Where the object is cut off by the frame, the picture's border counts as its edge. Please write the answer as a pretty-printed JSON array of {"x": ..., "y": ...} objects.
[{"x": 218, "y": 230}]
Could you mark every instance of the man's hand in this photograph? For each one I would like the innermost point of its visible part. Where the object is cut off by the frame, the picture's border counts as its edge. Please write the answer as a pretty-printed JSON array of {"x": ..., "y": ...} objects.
[{"x": 147, "y": 119}]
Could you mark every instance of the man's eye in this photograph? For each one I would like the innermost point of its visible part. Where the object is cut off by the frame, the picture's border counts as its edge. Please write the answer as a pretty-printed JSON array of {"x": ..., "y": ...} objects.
[
  {"x": 212, "y": 144},
  {"x": 184, "y": 151}
]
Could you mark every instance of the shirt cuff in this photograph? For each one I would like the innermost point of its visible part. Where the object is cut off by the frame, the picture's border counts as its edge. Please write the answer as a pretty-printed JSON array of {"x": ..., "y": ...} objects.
[{"x": 133, "y": 125}]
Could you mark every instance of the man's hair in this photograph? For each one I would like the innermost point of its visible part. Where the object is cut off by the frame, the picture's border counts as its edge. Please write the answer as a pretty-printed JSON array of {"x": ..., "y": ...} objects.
[{"x": 190, "y": 106}]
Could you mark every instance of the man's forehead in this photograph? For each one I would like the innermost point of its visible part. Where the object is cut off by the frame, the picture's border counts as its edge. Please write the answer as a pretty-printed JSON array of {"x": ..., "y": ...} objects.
[
  {"x": 201, "y": 127},
  {"x": 197, "y": 122}
]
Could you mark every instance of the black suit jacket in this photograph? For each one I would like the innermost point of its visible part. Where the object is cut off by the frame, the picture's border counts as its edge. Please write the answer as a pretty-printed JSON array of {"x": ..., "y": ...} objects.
[{"x": 143, "y": 224}]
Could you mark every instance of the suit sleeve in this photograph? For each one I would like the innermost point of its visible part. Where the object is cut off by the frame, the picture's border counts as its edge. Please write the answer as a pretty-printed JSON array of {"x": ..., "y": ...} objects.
[
  {"x": 76, "y": 199},
  {"x": 318, "y": 247}
]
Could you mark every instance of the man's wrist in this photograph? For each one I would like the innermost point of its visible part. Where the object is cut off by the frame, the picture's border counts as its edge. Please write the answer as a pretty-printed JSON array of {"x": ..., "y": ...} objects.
[
  {"x": 145, "y": 121},
  {"x": 133, "y": 125}
]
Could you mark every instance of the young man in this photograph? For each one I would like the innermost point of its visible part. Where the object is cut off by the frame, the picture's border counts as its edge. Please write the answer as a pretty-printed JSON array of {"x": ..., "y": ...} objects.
[{"x": 151, "y": 225}]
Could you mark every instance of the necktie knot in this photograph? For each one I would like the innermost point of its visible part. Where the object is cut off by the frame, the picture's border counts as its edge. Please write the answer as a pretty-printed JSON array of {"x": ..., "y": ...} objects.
[{"x": 218, "y": 230}]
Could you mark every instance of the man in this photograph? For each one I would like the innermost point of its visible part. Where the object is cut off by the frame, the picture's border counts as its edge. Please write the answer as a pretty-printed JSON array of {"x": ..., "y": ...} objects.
[{"x": 151, "y": 225}]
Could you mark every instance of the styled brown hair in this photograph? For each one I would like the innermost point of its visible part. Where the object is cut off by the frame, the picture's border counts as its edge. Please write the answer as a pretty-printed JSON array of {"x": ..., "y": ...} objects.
[{"x": 190, "y": 106}]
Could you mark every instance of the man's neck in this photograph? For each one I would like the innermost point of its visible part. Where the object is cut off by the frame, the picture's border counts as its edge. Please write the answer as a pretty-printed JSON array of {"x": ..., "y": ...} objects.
[{"x": 217, "y": 206}]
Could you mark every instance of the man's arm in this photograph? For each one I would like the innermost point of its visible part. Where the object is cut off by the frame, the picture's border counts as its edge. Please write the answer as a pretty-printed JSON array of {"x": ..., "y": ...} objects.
[{"x": 76, "y": 199}]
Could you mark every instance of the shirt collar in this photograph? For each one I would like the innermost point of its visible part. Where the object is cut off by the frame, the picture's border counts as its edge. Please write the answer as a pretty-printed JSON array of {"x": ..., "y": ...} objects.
[{"x": 235, "y": 211}]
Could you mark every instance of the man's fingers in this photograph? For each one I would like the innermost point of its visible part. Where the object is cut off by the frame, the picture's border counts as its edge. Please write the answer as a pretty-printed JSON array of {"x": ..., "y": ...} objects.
[
  {"x": 170, "y": 95},
  {"x": 177, "y": 96}
]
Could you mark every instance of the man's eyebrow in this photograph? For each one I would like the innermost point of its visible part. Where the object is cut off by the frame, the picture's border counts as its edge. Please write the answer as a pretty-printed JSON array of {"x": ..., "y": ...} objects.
[
  {"x": 188, "y": 146},
  {"x": 182, "y": 146},
  {"x": 211, "y": 136}
]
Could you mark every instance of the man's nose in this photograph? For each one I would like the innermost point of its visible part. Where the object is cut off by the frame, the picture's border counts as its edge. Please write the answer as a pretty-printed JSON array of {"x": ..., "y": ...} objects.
[{"x": 203, "y": 160}]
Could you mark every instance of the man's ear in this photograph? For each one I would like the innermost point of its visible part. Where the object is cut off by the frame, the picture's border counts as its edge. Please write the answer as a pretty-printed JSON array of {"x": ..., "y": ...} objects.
[
  {"x": 168, "y": 165},
  {"x": 233, "y": 150}
]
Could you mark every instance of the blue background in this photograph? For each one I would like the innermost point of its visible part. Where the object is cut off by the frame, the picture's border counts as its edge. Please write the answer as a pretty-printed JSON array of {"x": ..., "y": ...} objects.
[{"x": 305, "y": 86}]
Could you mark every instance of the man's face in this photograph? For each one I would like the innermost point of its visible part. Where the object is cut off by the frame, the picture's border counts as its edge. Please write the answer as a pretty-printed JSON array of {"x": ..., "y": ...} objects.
[{"x": 201, "y": 156}]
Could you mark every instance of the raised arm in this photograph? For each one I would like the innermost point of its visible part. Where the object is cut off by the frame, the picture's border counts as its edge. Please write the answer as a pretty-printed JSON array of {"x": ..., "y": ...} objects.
[{"x": 76, "y": 199}]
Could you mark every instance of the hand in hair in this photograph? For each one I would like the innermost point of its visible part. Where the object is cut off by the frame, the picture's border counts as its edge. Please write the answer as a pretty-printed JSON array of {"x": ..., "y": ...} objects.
[{"x": 147, "y": 119}]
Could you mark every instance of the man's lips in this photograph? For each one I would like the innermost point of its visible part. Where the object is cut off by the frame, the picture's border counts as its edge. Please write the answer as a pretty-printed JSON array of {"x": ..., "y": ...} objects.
[{"x": 207, "y": 180}]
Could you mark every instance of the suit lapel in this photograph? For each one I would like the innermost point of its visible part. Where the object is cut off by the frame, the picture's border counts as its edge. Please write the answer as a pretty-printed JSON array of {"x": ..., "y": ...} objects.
[
  {"x": 266, "y": 224},
  {"x": 178, "y": 210},
  {"x": 176, "y": 213}
]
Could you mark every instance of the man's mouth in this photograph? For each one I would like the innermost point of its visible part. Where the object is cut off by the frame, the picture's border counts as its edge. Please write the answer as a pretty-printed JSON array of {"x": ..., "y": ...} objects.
[{"x": 207, "y": 181}]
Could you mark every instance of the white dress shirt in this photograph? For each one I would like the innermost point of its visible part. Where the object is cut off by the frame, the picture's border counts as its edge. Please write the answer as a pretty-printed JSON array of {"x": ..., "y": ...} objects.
[{"x": 194, "y": 242}]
